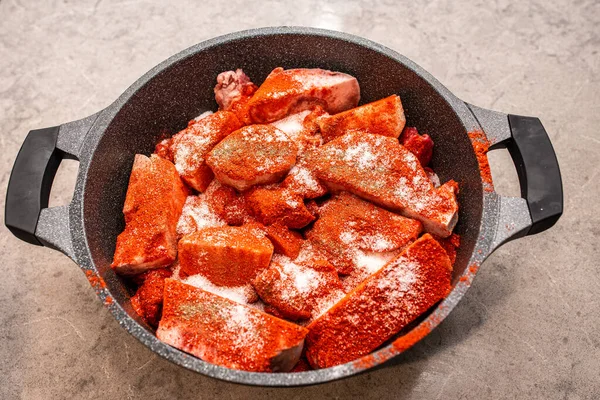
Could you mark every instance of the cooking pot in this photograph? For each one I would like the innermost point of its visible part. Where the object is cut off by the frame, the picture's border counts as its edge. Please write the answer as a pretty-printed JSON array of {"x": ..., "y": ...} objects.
[{"x": 181, "y": 88}]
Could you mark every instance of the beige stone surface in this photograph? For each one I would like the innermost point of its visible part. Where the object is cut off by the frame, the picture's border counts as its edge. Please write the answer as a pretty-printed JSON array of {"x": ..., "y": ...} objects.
[{"x": 528, "y": 328}]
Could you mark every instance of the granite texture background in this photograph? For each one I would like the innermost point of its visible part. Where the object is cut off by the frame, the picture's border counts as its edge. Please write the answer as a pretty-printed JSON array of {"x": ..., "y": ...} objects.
[{"x": 528, "y": 328}]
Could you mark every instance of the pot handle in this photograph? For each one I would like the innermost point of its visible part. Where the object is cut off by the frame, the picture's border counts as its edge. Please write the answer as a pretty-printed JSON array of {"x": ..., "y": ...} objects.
[
  {"x": 538, "y": 170},
  {"x": 536, "y": 165},
  {"x": 26, "y": 212}
]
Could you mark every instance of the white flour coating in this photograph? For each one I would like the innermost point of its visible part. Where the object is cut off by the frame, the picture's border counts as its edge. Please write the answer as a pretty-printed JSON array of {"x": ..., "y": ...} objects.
[
  {"x": 377, "y": 242},
  {"x": 371, "y": 262},
  {"x": 299, "y": 283},
  {"x": 239, "y": 294},
  {"x": 294, "y": 128},
  {"x": 303, "y": 177},
  {"x": 292, "y": 202},
  {"x": 304, "y": 279},
  {"x": 361, "y": 155},
  {"x": 190, "y": 151},
  {"x": 292, "y": 125},
  {"x": 399, "y": 280},
  {"x": 197, "y": 214},
  {"x": 348, "y": 237},
  {"x": 272, "y": 135},
  {"x": 242, "y": 324}
]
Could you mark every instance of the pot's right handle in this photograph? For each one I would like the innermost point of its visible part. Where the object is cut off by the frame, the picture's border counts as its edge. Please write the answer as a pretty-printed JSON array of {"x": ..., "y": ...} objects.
[{"x": 536, "y": 165}]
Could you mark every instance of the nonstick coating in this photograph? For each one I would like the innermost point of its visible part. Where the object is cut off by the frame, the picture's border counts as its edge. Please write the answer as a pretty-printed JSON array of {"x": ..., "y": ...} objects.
[{"x": 182, "y": 87}]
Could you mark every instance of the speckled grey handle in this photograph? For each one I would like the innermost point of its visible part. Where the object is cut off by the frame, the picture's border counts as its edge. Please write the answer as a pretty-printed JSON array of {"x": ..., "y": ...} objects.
[
  {"x": 53, "y": 227},
  {"x": 520, "y": 216}
]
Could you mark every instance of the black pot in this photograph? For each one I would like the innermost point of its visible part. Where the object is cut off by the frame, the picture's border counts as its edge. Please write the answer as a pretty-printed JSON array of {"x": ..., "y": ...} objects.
[{"x": 180, "y": 88}]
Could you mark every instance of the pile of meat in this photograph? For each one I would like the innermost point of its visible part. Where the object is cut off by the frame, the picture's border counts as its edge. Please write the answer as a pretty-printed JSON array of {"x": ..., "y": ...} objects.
[{"x": 290, "y": 229}]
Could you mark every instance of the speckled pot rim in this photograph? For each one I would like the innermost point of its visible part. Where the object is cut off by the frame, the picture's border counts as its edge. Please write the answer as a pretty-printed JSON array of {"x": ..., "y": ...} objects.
[{"x": 497, "y": 213}]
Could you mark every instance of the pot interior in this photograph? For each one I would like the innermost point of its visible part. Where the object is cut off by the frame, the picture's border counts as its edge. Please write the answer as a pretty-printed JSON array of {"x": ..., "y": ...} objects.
[{"x": 185, "y": 89}]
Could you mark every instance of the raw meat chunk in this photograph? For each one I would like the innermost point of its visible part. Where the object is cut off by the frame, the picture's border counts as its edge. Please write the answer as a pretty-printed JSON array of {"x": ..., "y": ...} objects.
[
  {"x": 286, "y": 92},
  {"x": 365, "y": 265},
  {"x": 255, "y": 154},
  {"x": 302, "y": 181},
  {"x": 148, "y": 299},
  {"x": 433, "y": 177},
  {"x": 231, "y": 87},
  {"x": 420, "y": 145},
  {"x": 219, "y": 205},
  {"x": 275, "y": 204},
  {"x": 164, "y": 149},
  {"x": 349, "y": 230},
  {"x": 227, "y": 203},
  {"x": 379, "y": 169},
  {"x": 233, "y": 91},
  {"x": 383, "y": 117},
  {"x": 226, "y": 256},
  {"x": 243, "y": 294},
  {"x": 302, "y": 129},
  {"x": 285, "y": 241},
  {"x": 227, "y": 333},
  {"x": 153, "y": 204},
  {"x": 191, "y": 146},
  {"x": 300, "y": 288},
  {"x": 451, "y": 245},
  {"x": 313, "y": 208},
  {"x": 380, "y": 306},
  {"x": 197, "y": 214}
]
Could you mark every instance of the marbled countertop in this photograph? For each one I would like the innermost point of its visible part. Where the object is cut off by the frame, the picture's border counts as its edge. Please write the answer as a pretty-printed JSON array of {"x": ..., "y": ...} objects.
[{"x": 528, "y": 328}]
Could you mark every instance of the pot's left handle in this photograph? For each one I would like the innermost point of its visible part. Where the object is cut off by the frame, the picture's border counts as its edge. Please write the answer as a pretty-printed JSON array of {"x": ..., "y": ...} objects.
[{"x": 26, "y": 212}]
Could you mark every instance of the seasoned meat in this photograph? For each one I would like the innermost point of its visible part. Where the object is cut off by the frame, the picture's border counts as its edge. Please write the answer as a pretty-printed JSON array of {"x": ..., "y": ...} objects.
[
  {"x": 226, "y": 256},
  {"x": 420, "y": 145},
  {"x": 285, "y": 241},
  {"x": 227, "y": 333},
  {"x": 232, "y": 92},
  {"x": 286, "y": 92},
  {"x": 292, "y": 203},
  {"x": 350, "y": 229},
  {"x": 379, "y": 169},
  {"x": 433, "y": 177},
  {"x": 227, "y": 203},
  {"x": 302, "y": 129},
  {"x": 451, "y": 245},
  {"x": 275, "y": 204},
  {"x": 302, "y": 181},
  {"x": 313, "y": 207},
  {"x": 197, "y": 214},
  {"x": 191, "y": 146},
  {"x": 219, "y": 205},
  {"x": 381, "y": 306},
  {"x": 244, "y": 294},
  {"x": 382, "y": 117},
  {"x": 255, "y": 154},
  {"x": 301, "y": 288},
  {"x": 148, "y": 299},
  {"x": 163, "y": 149},
  {"x": 153, "y": 204}
]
